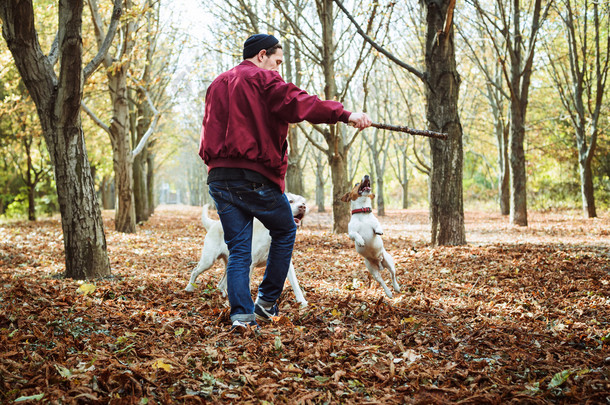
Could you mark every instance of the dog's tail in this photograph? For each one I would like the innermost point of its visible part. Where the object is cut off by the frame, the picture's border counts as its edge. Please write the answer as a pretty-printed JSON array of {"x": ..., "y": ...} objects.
[{"x": 205, "y": 220}]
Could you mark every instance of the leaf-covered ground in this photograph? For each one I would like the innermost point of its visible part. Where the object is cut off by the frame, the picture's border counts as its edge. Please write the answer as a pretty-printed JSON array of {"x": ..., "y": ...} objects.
[{"x": 519, "y": 315}]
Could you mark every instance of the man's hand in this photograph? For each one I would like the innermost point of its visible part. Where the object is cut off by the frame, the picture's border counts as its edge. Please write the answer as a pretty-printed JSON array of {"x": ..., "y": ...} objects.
[{"x": 360, "y": 120}]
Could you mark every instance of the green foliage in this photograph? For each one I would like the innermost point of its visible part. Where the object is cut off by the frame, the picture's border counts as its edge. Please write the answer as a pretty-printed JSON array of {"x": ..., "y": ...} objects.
[{"x": 16, "y": 203}]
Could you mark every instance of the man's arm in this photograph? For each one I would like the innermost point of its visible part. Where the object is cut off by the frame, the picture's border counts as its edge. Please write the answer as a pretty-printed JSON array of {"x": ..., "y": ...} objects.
[{"x": 295, "y": 105}]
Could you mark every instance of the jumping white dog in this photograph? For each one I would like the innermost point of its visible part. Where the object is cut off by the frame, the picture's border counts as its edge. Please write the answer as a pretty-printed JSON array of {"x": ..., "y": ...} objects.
[
  {"x": 364, "y": 229},
  {"x": 214, "y": 247}
]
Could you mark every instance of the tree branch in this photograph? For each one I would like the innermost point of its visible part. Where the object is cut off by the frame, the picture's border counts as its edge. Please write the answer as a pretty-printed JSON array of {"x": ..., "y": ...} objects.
[
  {"x": 95, "y": 118},
  {"x": 54, "y": 52},
  {"x": 153, "y": 125},
  {"x": 313, "y": 141},
  {"x": 112, "y": 28},
  {"x": 410, "y": 68}
]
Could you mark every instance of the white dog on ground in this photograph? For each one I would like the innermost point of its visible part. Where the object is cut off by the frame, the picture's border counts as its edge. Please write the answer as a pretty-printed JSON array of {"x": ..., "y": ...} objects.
[
  {"x": 214, "y": 247},
  {"x": 365, "y": 230}
]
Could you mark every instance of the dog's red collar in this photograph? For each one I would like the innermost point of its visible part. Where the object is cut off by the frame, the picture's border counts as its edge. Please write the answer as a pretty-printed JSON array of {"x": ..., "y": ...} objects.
[{"x": 359, "y": 210}]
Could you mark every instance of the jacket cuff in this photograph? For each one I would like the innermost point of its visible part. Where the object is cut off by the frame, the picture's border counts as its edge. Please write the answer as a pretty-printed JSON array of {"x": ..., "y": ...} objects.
[{"x": 344, "y": 117}]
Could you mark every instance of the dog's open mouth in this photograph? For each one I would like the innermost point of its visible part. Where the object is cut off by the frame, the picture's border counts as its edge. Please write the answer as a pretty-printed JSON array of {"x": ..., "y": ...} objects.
[
  {"x": 365, "y": 185},
  {"x": 298, "y": 218}
]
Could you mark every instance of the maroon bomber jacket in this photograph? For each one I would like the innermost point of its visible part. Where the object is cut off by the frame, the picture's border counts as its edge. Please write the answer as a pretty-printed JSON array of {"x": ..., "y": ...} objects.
[{"x": 247, "y": 113}]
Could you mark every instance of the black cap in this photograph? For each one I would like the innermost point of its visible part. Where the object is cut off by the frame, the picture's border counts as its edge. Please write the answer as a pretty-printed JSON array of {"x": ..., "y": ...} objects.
[{"x": 256, "y": 43}]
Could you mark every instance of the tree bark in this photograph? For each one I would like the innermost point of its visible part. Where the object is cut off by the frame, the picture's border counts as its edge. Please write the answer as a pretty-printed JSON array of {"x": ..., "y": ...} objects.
[
  {"x": 30, "y": 182},
  {"x": 125, "y": 214},
  {"x": 320, "y": 181},
  {"x": 140, "y": 192},
  {"x": 504, "y": 168},
  {"x": 58, "y": 104},
  {"x": 150, "y": 181},
  {"x": 337, "y": 150},
  {"x": 446, "y": 198},
  {"x": 518, "y": 196},
  {"x": 380, "y": 197},
  {"x": 341, "y": 216},
  {"x": 107, "y": 194},
  {"x": 294, "y": 172},
  {"x": 520, "y": 78},
  {"x": 140, "y": 185},
  {"x": 586, "y": 178}
]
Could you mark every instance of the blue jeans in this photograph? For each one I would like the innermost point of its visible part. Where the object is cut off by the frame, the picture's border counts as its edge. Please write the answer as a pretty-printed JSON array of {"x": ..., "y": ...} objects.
[{"x": 238, "y": 202}]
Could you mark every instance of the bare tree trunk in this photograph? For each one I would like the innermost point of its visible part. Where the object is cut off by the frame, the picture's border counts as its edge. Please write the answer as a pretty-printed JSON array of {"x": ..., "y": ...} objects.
[
  {"x": 446, "y": 199},
  {"x": 122, "y": 159},
  {"x": 30, "y": 183},
  {"x": 106, "y": 192},
  {"x": 586, "y": 180},
  {"x": 337, "y": 150},
  {"x": 320, "y": 202},
  {"x": 140, "y": 185},
  {"x": 582, "y": 90},
  {"x": 140, "y": 192},
  {"x": 516, "y": 51},
  {"x": 341, "y": 217},
  {"x": 294, "y": 172},
  {"x": 125, "y": 213},
  {"x": 150, "y": 181},
  {"x": 520, "y": 78},
  {"x": 504, "y": 168},
  {"x": 58, "y": 104},
  {"x": 380, "y": 197},
  {"x": 518, "y": 205},
  {"x": 518, "y": 109}
]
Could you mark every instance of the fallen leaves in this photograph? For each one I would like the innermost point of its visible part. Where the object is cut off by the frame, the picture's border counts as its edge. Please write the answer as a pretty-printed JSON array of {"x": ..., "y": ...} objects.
[{"x": 492, "y": 322}]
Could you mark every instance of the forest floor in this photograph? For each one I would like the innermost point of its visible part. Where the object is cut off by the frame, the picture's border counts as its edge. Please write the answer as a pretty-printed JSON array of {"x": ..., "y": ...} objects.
[{"x": 519, "y": 315}]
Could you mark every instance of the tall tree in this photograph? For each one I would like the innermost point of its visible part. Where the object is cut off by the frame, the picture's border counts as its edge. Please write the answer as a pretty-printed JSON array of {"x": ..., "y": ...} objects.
[
  {"x": 154, "y": 72},
  {"x": 581, "y": 84},
  {"x": 495, "y": 92},
  {"x": 442, "y": 89},
  {"x": 58, "y": 101},
  {"x": 117, "y": 69},
  {"x": 117, "y": 74},
  {"x": 516, "y": 52},
  {"x": 292, "y": 69}
]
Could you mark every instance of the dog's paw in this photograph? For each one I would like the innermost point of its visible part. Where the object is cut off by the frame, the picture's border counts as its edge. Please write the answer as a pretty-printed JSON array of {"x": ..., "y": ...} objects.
[
  {"x": 190, "y": 287},
  {"x": 359, "y": 242}
]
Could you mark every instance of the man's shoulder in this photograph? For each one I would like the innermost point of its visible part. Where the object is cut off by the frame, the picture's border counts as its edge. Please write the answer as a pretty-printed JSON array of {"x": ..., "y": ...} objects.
[
  {"x": 251, "y": 70},
  {"x": 250, "y": 73}
]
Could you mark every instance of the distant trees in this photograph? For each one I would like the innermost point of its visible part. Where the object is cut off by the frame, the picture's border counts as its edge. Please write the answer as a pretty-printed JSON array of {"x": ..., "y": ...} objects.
[
  {"x": 494, "y": 91},
  {"x": 125, "y": 151},
  {"x": 515, "y": 47},
  {"x": 580, "y": 72},
  {"x": 25, "y": 167},
  {"x": 560, "y": 149}
]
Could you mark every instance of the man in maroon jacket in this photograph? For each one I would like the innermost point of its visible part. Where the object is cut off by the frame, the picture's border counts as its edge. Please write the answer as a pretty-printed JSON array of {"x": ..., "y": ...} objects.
[{"x": 243, "y": 143}]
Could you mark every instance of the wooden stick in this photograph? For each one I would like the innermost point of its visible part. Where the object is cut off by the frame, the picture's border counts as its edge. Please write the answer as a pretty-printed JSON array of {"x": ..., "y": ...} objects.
[{"x": 420, "y": 132}]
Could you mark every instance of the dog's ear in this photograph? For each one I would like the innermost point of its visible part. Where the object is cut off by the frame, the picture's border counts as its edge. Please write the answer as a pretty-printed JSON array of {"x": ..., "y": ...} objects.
[
  {"x": 346, "y": 198},
  {"x": 372, "y": 196}
]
